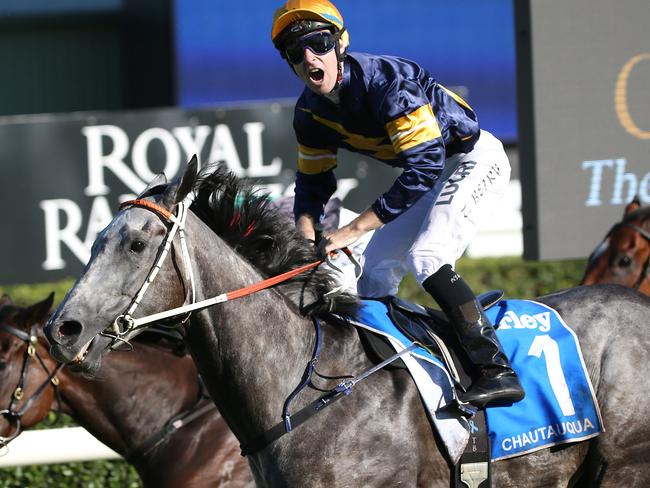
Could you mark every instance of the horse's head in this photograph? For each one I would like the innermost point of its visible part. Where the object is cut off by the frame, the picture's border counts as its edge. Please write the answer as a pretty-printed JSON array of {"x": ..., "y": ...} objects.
[
  {"x": 624, "y": 255},
  {"x": 91, "y": 319},
  {"x": 25, "y": 393}
]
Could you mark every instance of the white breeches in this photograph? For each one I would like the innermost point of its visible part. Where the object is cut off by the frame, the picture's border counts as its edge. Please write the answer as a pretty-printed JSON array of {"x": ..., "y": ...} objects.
[{"x": 439, "y": 227}]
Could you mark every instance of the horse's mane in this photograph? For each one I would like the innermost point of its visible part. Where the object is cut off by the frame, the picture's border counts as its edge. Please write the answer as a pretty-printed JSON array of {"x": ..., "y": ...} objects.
[{"x": 267, "y": 238}]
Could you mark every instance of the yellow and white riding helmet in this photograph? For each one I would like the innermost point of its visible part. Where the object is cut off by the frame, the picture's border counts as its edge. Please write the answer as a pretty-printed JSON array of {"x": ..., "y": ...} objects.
[{"x": 318, "y": 11}]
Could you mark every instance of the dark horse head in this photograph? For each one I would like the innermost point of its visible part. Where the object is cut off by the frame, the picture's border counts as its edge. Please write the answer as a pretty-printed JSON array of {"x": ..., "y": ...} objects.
[
  {"x": 26, "y": 393},
  {"x": 623, "y": 257}
]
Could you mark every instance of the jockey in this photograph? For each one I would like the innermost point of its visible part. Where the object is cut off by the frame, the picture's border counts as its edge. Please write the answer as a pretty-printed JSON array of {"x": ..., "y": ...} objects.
[{"x": 391, "y": 109}]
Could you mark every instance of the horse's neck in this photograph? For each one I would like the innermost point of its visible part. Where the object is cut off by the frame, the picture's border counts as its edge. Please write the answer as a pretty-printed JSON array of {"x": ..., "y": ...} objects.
[
  {"x": 252, "y": 351},
  {"x": 163, "y": 385}
]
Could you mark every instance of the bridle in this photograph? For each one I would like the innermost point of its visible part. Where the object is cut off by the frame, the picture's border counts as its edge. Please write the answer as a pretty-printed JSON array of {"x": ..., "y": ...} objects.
[
  {"x": 12, "y": 412},
  {"x": 125, "y": 326},
  {"x": 645, "y": 271}
]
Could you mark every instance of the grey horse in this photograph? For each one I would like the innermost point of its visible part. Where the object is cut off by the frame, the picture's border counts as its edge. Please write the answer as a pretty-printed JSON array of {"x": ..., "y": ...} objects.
[{"x": 253, "y": 351}]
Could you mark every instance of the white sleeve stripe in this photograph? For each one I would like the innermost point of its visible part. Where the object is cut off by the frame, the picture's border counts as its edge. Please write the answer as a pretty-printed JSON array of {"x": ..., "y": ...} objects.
[
  {"x": 404, "y": 133},
  {"x": 313, "y": 158}
]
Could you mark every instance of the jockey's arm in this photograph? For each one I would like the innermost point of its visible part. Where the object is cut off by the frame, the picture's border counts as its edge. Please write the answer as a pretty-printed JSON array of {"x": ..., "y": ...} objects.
[{"x": 348, "y": 234}]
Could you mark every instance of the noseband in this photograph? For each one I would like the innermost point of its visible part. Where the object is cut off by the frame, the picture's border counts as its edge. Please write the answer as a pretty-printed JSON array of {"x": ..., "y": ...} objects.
[{"x": 12, "y": 413}]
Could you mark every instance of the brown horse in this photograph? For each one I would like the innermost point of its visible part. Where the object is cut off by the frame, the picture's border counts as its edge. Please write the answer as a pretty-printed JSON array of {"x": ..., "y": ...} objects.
[
  {"x": 624, "y": 255},
  {"x": 128, "y": 407}
]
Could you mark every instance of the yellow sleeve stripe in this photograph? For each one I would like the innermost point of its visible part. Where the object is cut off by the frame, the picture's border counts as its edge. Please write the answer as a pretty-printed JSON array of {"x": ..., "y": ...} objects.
[
  {"x": 313, "y": 161},
  {"x": 414, "y": 128},
  {"x": 311, "y": 167},
  {"x": 455, "y": 97}
]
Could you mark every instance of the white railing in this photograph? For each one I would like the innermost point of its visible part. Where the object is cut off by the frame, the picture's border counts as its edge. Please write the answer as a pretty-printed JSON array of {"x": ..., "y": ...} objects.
[{"x": 49, "y": 446}]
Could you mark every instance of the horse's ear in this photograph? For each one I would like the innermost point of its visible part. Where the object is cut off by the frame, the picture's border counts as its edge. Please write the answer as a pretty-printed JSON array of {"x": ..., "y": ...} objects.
[
  {"x": 159, "y": 180},
  {"x": 39, "y": 312},
  {"x": 178, "y": 189},
  {"x": 633, "y": 206}
]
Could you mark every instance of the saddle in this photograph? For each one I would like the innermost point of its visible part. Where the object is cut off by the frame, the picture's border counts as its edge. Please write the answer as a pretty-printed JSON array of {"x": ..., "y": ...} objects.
[{"x": 431, "y": 328}]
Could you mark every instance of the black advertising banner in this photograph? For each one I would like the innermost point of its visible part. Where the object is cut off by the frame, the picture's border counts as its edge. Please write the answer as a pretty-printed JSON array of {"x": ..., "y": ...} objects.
[
  {"x": 63, "y": 176},
  {"x": 584, "y": 119}
]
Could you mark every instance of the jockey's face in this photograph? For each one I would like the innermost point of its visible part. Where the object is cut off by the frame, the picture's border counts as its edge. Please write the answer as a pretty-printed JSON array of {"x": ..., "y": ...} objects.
[{"x": 318, "y": 71}]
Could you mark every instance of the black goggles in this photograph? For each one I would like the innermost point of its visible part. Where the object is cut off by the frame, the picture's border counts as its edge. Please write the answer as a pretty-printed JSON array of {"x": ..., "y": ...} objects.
[{"x": 317, "y": 42}]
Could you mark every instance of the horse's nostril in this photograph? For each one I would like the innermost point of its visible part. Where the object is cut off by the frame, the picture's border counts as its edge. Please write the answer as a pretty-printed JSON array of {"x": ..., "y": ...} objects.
[{"x": 70, "y": 328}]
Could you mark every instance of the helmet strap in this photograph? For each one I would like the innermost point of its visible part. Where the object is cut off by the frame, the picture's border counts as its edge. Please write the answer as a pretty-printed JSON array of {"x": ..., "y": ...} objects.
[
  {"x": 340, "y": 57},
  {"x": 339, "y": 75}
]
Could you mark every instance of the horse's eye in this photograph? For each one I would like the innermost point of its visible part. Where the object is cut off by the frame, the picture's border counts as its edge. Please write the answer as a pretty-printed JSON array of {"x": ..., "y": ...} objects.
[
  {"x": 624, "y": 261},
  {"x": 138, "y": 246}
]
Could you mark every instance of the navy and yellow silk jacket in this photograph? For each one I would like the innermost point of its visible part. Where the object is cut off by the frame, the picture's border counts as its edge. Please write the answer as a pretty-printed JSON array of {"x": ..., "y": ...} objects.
[{"x": 390, "y": 109}]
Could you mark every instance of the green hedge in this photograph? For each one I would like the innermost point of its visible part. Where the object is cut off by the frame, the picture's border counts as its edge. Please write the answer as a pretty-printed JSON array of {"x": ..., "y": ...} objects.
[
  {"x": 90, "y": 474},
  {"x": 29, "y": 294},
  {"x": 517, "y": 278}
]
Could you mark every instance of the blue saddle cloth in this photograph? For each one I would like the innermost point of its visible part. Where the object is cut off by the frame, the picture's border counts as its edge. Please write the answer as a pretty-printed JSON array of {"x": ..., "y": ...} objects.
[{"x": 560, "y": 405}]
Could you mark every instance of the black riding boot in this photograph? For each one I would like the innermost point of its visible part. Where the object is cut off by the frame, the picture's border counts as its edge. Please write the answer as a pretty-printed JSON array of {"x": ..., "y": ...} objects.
[{"x": 495, "y": 382}]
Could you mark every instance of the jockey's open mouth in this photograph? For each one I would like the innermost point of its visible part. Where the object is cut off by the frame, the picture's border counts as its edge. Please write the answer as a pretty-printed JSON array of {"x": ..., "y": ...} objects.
[{"x": 316, "y": 74}]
